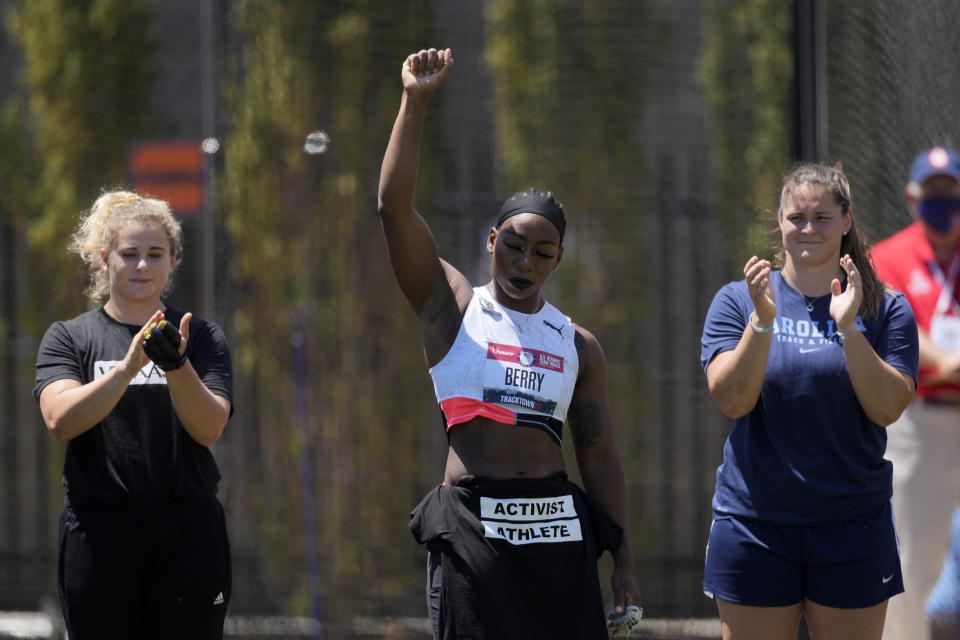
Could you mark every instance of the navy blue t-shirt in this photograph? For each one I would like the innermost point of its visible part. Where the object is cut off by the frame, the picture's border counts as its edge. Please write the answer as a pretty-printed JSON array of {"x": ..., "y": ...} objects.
[{"x": 807, "y": 453}]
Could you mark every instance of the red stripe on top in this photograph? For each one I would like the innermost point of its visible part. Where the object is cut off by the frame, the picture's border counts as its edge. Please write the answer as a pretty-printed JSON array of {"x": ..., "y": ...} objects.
[
  {"x": 510, "y": 353},
  {"x": 460, "y": 410}
]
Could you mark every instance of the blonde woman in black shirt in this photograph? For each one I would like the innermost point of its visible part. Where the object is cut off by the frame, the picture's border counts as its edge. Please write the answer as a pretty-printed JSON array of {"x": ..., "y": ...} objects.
[{"x": 138, "y": 391}]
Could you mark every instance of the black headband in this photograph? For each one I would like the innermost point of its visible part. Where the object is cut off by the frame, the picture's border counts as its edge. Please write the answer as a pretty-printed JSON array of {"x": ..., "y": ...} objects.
[{"x": 529, "y": 203}]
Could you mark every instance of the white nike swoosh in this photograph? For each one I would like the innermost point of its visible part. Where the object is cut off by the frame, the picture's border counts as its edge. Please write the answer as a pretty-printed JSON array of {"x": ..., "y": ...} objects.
[
  {"x": 802, "y": 350},
  {"x": 887, "y": 578}
]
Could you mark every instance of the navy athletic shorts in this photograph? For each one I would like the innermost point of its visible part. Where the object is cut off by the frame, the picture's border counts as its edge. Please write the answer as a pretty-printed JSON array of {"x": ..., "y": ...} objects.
[
  {"x": 847, "y": 565},
  {"x": 150, "y": 572}
]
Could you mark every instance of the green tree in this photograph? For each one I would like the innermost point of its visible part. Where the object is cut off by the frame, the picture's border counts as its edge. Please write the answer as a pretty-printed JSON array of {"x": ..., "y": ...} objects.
[
  {"x": 747, "y": 71},
  {"x": 88, "y": 76},
  {"x": 566, "y": 107},
  {"x": 308, "y": 258}
]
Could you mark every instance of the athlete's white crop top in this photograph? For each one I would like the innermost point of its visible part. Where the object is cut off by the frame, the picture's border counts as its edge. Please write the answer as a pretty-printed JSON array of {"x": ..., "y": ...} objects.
[{"x": 511, "y": 367}]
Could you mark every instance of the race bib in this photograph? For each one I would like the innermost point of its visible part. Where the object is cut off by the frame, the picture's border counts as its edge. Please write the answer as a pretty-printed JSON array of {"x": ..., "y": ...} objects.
[
  {"x": 945, "y": 331},
  {"x": 522, "y": 521},
  {"x": 526, "y": 378}
]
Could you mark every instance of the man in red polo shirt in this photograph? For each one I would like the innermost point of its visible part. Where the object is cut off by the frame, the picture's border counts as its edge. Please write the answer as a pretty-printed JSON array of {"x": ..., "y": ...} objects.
[{"x": 923, "y": 262}]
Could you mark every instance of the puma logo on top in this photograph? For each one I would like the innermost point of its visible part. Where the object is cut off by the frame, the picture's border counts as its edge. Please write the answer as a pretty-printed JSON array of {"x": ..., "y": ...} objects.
[{"x": 557, "y": 329}]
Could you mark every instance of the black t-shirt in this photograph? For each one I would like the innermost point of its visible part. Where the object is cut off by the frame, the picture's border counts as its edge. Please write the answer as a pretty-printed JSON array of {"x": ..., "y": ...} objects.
[{"x": 140, "y": 453}]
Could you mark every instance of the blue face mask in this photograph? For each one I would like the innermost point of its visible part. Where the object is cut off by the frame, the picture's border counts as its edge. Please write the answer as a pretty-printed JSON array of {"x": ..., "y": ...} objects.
[{"x": 942, "y": 214}]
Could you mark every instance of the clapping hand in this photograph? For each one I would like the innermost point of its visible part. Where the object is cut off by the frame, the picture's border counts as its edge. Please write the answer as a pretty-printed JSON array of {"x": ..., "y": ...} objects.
[
  {"x": 164, "y": 344},
  {"x": 845, "y": 303},
  {"x": 757, "y": 274}
]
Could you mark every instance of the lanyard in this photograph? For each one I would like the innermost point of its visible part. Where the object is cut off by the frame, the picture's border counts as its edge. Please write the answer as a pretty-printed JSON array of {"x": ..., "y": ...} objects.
[{"x": 946, "y": 300}]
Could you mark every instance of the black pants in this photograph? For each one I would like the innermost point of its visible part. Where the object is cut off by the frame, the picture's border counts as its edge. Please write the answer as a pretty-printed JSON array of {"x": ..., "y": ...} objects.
[
  {"x": 434, "y": 586},
  {"x": 157, "y": 572},
  {"x": 514, "y": 559}
]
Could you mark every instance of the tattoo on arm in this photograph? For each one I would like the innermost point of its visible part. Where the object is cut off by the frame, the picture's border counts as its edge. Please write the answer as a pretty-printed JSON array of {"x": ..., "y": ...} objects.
[
  {"x": 585, "y": 424},
  {"x": 441, "y": 316}
]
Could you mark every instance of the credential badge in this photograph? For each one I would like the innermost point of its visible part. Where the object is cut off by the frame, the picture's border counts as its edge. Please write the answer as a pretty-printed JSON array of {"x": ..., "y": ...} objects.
[{"x": 489, "y": 307}]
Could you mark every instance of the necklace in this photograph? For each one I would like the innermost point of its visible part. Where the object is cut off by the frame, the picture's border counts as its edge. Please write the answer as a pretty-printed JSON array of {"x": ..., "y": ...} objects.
[{"x": 811, "y": 301}]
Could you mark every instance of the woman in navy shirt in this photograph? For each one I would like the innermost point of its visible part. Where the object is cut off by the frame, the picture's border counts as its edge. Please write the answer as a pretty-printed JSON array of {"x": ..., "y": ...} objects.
[{"x": 813, "y": 361}]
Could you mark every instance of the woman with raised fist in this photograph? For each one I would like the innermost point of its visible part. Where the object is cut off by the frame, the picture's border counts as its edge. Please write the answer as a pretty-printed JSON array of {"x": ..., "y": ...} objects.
[{"x": 512, "y": 543}]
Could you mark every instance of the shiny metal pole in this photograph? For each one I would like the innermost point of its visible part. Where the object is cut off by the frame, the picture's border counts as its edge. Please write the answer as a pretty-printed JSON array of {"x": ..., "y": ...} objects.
[{"x": 208, "y": 102}]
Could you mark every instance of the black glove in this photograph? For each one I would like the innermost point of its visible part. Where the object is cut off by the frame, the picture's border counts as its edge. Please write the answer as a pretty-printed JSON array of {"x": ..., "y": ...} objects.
[{"x": 162, "y": 345}]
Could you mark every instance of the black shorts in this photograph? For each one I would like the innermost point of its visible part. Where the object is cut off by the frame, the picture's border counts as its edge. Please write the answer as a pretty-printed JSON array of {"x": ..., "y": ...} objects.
[
  {"x": 156, "y": 572},
  {"x": 514, "y": 559}
]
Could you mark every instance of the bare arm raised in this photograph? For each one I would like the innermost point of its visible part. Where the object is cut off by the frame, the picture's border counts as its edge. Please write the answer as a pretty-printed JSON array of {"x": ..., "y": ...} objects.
[{"x": 437, "y": 292}]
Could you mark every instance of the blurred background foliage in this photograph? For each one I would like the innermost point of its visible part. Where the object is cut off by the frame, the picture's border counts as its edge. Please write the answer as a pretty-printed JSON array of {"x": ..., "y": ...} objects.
[
  {"x": 662, "y": 126},
  {"x": 87, "y": 76},
  {"x": 747, "y": 70}
]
